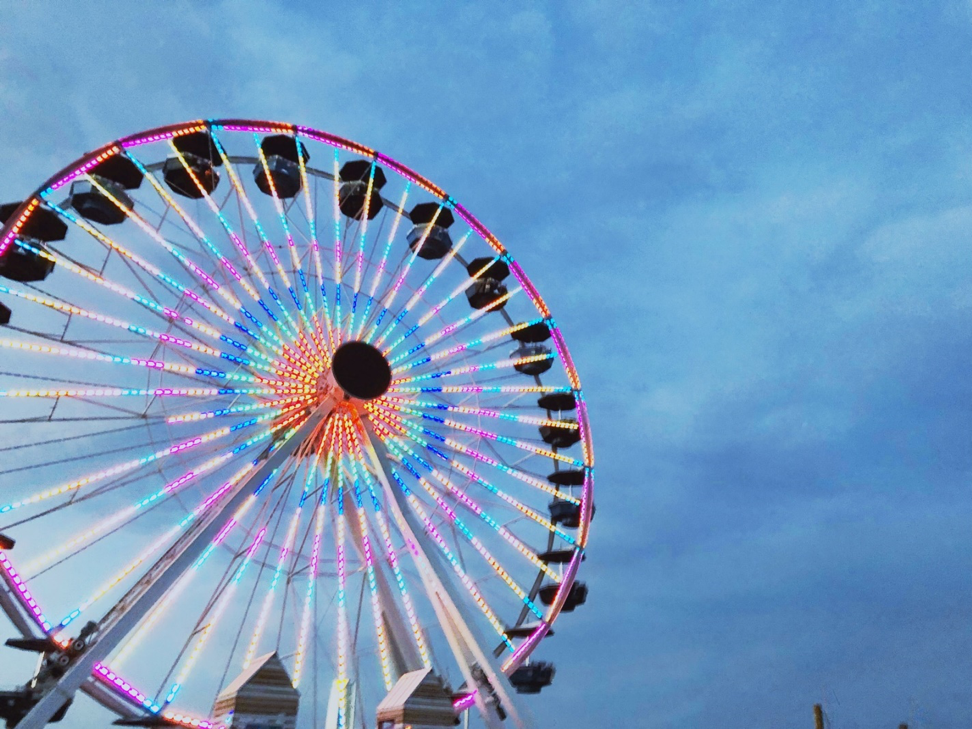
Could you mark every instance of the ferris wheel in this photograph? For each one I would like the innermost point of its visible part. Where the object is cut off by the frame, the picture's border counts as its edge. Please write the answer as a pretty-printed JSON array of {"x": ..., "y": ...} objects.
[{"x": 288, "y": 439}]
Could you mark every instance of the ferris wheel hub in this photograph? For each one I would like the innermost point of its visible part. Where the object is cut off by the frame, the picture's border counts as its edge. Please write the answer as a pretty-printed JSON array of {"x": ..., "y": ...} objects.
[{"x": 361, "y": 370}]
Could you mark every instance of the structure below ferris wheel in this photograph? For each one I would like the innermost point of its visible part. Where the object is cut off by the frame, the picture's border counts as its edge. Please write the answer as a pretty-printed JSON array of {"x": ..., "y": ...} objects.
[{"x": 289, "y": 439}]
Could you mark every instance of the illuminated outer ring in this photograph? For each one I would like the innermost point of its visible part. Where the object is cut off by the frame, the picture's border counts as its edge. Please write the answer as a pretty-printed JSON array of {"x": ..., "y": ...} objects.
[{"x": 15, "y": 222}]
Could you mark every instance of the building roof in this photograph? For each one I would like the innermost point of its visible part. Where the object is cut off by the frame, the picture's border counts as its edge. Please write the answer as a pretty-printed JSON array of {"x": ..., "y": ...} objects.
[
  {"x": 265, "y": 672},
  {"x": 418, "y": 698}
]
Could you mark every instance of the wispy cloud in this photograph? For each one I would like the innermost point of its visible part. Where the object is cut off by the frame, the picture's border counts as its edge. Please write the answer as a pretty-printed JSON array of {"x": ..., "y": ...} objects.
[{"x": 752, "y": 223}]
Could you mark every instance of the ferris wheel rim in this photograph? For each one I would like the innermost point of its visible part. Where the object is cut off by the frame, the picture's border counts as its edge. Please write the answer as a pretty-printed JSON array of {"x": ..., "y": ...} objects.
[{"x": 10, "y": 229}]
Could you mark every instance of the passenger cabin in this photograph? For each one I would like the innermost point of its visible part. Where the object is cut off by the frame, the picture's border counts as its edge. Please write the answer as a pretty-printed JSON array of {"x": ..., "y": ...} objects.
[
  {"x": 26, "y": 265},
  {"x": 201, "y": 160},
  {"x": 565, "y": 513},
  {"x": 418, "y": 700},
  {"x": 42, "y": 225},
  {"x": 526, "y": 630},
  {"x": 436, "y": 241},
  {"x": 103, "y": 198},
  {"x": 530, "y": 678},
  {"x": 488, "y": 287},
  {"x": 560, "y": 436},
  {"x": 532, "y": 333},
  {"x": 567, "y": 477},
  {"x": 558, "y": 556},
  {"x": 577, "y": 595},
  {"x": 24, "y": 260},
  {"x": 558, "y": 401},
  {"x": 262, "y": 697},
  {"x": 354, "y": 189},
  {"x": 538, "y": 356},
  {"x": 283, "y": 154}
]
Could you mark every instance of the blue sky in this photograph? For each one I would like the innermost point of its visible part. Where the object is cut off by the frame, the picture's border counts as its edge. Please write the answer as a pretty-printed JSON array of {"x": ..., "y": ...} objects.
[{"x": 751, "y": 221}]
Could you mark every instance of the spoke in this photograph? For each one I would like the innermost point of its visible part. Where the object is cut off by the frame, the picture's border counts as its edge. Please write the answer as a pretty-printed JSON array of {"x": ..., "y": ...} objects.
[
  {"x": 456, "y": 566},
  {"x": 150, "y": 268},
  {"x": 380, "y": 269},
  {"x": 156, "y": 308},
  {"x": 214, "y": 618},
  {"x": 362, "y": 237},
  {"x": 152, "y": 392},
  {"x": 499, "y": 365},
  {"x": 338, "y": 249},
  {"x": 479, "y": 412},
  {"x": 124, "y": 467},
  {"x": 387, "y": 430},
  {"x": 390, "y": 299},
  {"x": 398, "y": 449},
  {"x": 342, "y": 627},
  {"x": 459, "y": 349},
  {"x": 295, "y": 258},
  {"x": 285, "y": 551},
  {"x": 370, "y": 564},
  {"x": 132, "y": 512},
  {"x": 310, "y": 594},
  {"x": 455, "y": 326},
  {"x": 318, "y": 264},
  {"x": 489, "y": 435}
]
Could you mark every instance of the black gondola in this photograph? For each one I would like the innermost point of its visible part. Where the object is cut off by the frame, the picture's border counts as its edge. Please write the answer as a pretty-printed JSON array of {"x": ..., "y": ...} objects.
[
  {"x": 533, "y": 334},
  {"x": 93, "y": 204},
  {"x": 536, "y": 367},
  {"x": 558, "y": 401},
  {"x": 497, "y": 269},
  {"x": 15, "y": 705},
  {"x": 116, "y": 174},
  {"x": 484, "y": 292},
  {"x": 531, "y": 678},
  {"x": 354, "y": 189},
  {"x": 565, "y": 513},
  {"x": 26, "y": 266},
  {"x": 121, "y": 170},
  {"x": 43, "y": 224},
  {"x": 558, "y": 556},
  {"x": 576, "y": 596},
  {"x": 567, "y": 477},
  {"x": 199, "y": 144},
  {"x": 147, "y": 721},
  {"x": 435, "y": 245},
  {"x": 283, "y": 154},
  {"x": 489, "y": 287},
  {"x": 181, "y": 182},
  {"x": 437, "y": 241},
  {"x": 560, "y": 436},
  {"x": 525, "y": 631}
]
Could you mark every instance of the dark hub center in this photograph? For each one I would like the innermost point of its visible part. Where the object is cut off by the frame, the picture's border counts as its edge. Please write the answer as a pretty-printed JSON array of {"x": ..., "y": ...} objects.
[{"x": 361, "y": 370}]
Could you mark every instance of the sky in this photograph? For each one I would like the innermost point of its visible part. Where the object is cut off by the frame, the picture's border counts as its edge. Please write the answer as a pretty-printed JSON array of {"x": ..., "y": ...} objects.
[{"x": 751, "y": 221}]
